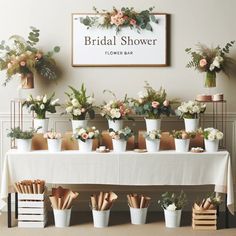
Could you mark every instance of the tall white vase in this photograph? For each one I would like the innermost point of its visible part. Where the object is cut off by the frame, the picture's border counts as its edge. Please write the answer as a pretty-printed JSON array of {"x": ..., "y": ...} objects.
[
  {"x": 191, "y": 125},
  {"x": 153, "y": 124},
  {"x": 43, "y": 123},
  {"x": 119, "y": 145},
  {"x": 78, "y": 124},
  {"x": 62, "y": 217},
  {"x": 138, "y": 215},
  {"x": 54, "y": 145},
  {"x": 172, "y": 218},
  {"x": 152, "y": 145},
  {"x": 211, "y": 146},
  {"x": 86, "y": 146},
  {"x": 100, "y": 218},
  {"x": 115, "y": 124},
  {"x": 24, "y": 145},
  {"x": 182, "y": 145}
]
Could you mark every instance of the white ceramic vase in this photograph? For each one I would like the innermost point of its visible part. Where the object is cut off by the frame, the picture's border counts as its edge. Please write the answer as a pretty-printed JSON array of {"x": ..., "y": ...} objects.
[
  {"x": 24, "y": 145},
  {"x": 54, "y": 145},
  {"x": 101, "y": 218},
  {"x": 138, "y": 215},
  {"x": 152, "y": 145},
  {"x": 115, "y": 124},
  {"x": 86, "y": 146},
  {"x": 119, "y": 145},
  {"x": 191, "y": 125},
  {"x": 172, "y": 218},
  {"x": 211, "y": 146},
  {"x": 182, "y": 145},
  {"x": 153, "y": 124},
  {"x": 78, "y": 124},
  {"x": 62, "y": 217},
  {"x": 43, "y": 123}
]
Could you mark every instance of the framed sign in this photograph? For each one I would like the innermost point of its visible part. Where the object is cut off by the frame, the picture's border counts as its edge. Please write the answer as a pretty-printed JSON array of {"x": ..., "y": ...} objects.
[{"x": 94, "y": 46}]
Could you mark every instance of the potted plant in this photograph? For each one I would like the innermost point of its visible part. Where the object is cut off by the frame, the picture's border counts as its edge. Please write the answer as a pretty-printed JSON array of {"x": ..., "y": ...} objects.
[
  {"x": 79, "y": 104},
  {"x": 23, "y": 58},
  {"x": 54, "y": 141},
  {"x": 152, "y": 104},
  {"x": 153, "y": 140},
  {"x": 190, "y": 111},
  {"x": 23, "y": 138},
  {"x": 119, "y": 138},
  {"x": 182, "y": 140},
  {"x": 211, "y": 139},
  {"x": 115, "y": 111},
  {"x": 172, "y": 205},
  {"x": 85, "y": 138},
  {"x": 40, "y": 105}
]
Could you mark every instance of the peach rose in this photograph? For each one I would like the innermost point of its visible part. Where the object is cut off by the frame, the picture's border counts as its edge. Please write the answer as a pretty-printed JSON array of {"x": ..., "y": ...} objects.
[
  {"x": 155, "y": 104},
  {"x": 22, "y": 63},
  {"x": 84, "y": 136},
  {"x": 132, "y": 22},
  {"x": 120, "y": 14},
  {"x": 166, "y": 103},
  {"x": 202, "y": 62},
  {"x": 184, "y": 135},
  {"x": 83, "y": 110}
]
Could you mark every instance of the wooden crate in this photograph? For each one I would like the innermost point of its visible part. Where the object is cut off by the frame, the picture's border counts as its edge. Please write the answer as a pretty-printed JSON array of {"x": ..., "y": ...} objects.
[
  {"x": 31, "y": 211},
  {"x": 204, "y": 219}
]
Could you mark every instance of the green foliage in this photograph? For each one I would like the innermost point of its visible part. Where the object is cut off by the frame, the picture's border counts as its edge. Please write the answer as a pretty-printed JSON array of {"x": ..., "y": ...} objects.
[
  {"x": 17, "y": 133},
  {"x": 182, "y": 134},
  {"x": 123, "y": 134}
]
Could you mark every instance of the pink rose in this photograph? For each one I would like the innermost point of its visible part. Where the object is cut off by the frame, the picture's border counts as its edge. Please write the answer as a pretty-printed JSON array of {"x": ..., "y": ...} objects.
[
  {"x": 22, "y": 63},
  {"x": 84, "y": 136},
  {"x": 202, "y": 62},
  {"x": 166, "y": 103},
  {"x": 120, "y": 14},
  {"x": 155, "y": 104},
  {"x": 132, "y": 22}
]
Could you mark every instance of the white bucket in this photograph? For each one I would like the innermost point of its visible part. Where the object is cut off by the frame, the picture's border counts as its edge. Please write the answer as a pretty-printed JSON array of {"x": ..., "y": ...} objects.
[
  {"x": 152, "y": 145},
  {"x": 172, "y": 218},
  {"x": 78, "y": 124},
  {"x": 43, "y": 123},
  {"x": 86, "y": 146},
  {"x": 138, "y": 215},
  {"x": 100, "y": 218},
  {"x": 115, "y": 124},
  {"x": 119, "y": 145},
  {"x": 153, "y": 124},
  {"x": 211, "y": 146},
  {"x": 191, "y": 125},
  {"x": 54, "y": 145},
  {"x": 62, "y": 217},
  {"x": 182, "y": 145},
  {"x": 24, "y": 145}
]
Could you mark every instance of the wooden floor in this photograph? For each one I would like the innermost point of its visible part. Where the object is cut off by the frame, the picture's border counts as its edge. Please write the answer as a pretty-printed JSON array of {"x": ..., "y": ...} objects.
[{"x": 119, "y": 226}]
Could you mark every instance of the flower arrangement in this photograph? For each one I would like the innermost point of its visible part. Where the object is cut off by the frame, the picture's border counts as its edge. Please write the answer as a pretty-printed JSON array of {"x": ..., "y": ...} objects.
[
  {"x": 88, "y": 133},
  {"x": 212, "y": 134},
  {"x": 52, "y": 135},
  {"x": 152, "y": 103},
  {"x": 210, "y": 202},
  {"x": 41, "y": 104},
  {"x": 152, "y": 135},
  {"x": 172, "y": 201},
  {"x": 124, "y": 134},
  {"x": 125, "y": 17},
  {"x": 22, "y": 57},
  {"x": 79, "y": 104},
  {"x": 212, "y": 61},
  {"x": 191, "y": 109},
  {"x": 116, "y": 109},
  {"x": 182, "y": 134},
  {"x": 18, "y": 133}
]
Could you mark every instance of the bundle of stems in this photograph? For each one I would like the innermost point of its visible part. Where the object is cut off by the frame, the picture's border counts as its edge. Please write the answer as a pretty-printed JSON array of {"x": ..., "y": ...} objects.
[
  {"x": 30, "y": 186},
  {"x": 138, "y": 200}
]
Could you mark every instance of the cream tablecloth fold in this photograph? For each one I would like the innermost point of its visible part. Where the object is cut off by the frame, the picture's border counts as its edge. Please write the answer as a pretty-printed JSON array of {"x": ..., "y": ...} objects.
[{"x": 129, "y": 168}]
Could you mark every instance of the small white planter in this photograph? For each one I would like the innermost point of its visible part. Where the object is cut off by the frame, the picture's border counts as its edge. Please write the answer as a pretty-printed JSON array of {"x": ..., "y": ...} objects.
[
  {"x": 138, "y": 215},
  {"x": 115, "y": 124},
  {"x": 101, "y": 218},
  {"x": 43, "y": 123},
  {"x": 182, "y": 145},
  {"x": 24, "y": 145},
  {"x": 78, "y": 124},
  {"x": 119, "y": 145},
  {"x": 152, "y": 145},
  {"x": 211, "y": 146},
  {"x": 86, "y": 146},
  {"x": 54, "y": 145},
  {"x": 153, "y": 124},
  {"x": 172, "y": 218},
  {"x": 191, "y": 125},
  {"x": 62, "y": 217}
]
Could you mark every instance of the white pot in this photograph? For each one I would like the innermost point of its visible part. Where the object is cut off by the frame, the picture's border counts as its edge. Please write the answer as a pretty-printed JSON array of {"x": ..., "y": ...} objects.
[
  {"x": 115, "y": 124},
  {"x": 43, "y": 123},
  {"x": 172, "y": 218},
  {"x": 138, "y": 215},
  {"x": 86, "y": 146},
  {"x": 54, "y": 145},
  {"x": 191, "y": 125},
  {"x": 119, "y": 145},
  {"x": 101, "y": 218},
  {"x": 24, "y": 145},
  {"x": 182, "y": 145},
  {"x": 78, "y": 124},
  {"x": 152, "y": 145},
  {"x": 211, "y": 146},
  {"x": 62, "y": 217},
  {"x": 153, "y": 124}
]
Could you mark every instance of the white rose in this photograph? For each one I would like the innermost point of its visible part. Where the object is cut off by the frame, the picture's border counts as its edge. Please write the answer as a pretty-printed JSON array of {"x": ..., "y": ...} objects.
[
  {"x": 45, "y": 99},
  {"x": 171, "y": 207},
  {"x": 69, "y": 109},
  {"x": 75, "y": 102},
  {"x": 196, "y": 109},
  {"x": 38, "y": 98},
  {"x": 77, "y": 112},
  {"x": 152, "y": 136},
  {"x": 42, "y": 106},
  {"x": 219, "y": 135},
  {"x": 81, "y": 131},
  {"x": 211, "y": 137},
  {"x": 91, "y": 135}
]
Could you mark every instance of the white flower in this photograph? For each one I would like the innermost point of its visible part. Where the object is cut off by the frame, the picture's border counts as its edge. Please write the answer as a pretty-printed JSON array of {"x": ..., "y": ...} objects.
[
  {"x": 115, "y": 113},
  {"x": 196, "y": 109},
  {"x": 39, "y": 98},
  {"x": 219, "y": 135},
  {"x": 142, "y": 94},
  {"x": 45, "y": 99},
  {"x": 90, "y": 100},
  {"x": 211, "y": 137},
  {"x": 42, "y": 106},
  {"x": 69, "y": 109},
  {"x": 75, "y": 102},
  {"x": 212, "y": 67},
  {"x": 28, "y": 99},
  {"x": 77, "y": 112},
  {"x": 81, "y": 131},
  {"x": 171, "y": 207},
  {"x": 53, "y": 103},
  {"x": 152, "y": 136},
  {"x": 91, "y": 135}
]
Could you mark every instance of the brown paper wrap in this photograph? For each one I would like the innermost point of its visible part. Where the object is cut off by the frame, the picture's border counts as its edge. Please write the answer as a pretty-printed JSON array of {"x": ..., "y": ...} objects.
[{"x": 39, "y": 142}]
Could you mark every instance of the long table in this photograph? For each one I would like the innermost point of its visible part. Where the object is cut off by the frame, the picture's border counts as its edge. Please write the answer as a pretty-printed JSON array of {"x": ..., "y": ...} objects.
[{"x": 128, "y": 168}]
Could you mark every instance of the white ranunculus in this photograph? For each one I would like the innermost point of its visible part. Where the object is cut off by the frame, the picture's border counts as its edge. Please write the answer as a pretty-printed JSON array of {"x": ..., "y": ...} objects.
[
  {"x": 211, "y": 137},
  {"x": 75, "y": 102},
  {"x": 42, "y": 106},
  {"x": 171, "y": 207},
  {"x": 69, "y": 109},
  {"x": 219, "y": 135},
  {"x": 115, "y": 113},
  {"x": 77, "y": 112}
]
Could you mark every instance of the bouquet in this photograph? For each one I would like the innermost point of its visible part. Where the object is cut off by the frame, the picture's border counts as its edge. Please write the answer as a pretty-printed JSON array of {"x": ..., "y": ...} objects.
[
  {"x": 124, "y": 134},
  {"x": 41, "y": 104},
  {"x": 191, "y": 109},
  {"x": 52, "y": 135},
  {"x": 79, "y": 104},
  {"x": 18, "y": 133},
  {"x": 152, "y": 135},
  {"x": 22, "y": 57},
  {"x": 88, "y": 133},
  {"x": 212, "y": 134},
  {"x": 152, "y": 104},
  {"x": 182, "y": 134},
  {"x": 212, "y": 61}
]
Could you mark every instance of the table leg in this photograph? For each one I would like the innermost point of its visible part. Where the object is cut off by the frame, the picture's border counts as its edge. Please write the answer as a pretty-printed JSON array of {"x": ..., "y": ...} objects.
[
  {"x": 16, "y": 205},
  {"x": 9, "y": 210},
  {"x": 226, "y": 213}
]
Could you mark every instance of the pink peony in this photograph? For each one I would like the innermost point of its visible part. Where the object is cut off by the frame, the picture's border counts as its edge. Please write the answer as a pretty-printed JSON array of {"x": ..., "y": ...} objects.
[
  {"x": 166, "y": 103},
  {"x": 132, "y": 22},
  {"x": 84, "y": 136},
  {"x": 155, "y": 104},
  {"x": 202, "y": 62},
  {"x": 22, "y": 63}
]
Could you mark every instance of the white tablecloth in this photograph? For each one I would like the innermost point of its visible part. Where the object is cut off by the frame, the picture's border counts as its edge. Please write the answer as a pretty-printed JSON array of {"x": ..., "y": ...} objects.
[{"x": 129, "y": 168}]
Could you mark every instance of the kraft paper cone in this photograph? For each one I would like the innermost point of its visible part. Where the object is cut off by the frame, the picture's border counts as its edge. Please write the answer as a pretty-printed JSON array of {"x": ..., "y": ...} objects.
[
  {"x": 147, "y": 202},
  {"x": 100, "y": 200},
  {"x": 53, "y": 202},
  {"x": 129, "y": 200},
  {"x": 93, "y": 202},
  {"x": 142, "y": 202},
  {"x": 207, "y": 204},
  {"x": 34, "y": 188},
  {"x": 39, "y": 142},
  {"x": 198, "y": 141},
  {"x": 16, "y": 188},
  {"x": 105, "y": 205},
  {"x": 22, "y": 188},
  {"x": 72, "y": 197},
  {"x": 135, "y": 202},
  {"x": 59, "y": 203},
  {"x": 25, "y": 189},
  {"x": 38, "y": 188},
  {"x": 66, "y": 199},
  {"x": 29, "y": 189}
]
